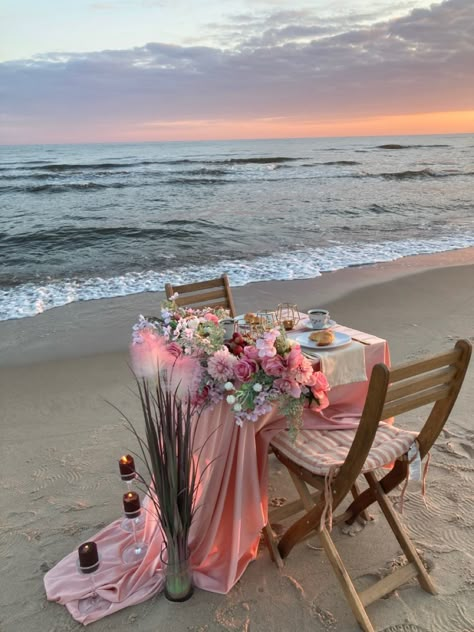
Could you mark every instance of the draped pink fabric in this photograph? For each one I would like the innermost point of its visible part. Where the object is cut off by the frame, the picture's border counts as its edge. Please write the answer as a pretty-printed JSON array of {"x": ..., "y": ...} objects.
[{"x": 232, "y": 508}]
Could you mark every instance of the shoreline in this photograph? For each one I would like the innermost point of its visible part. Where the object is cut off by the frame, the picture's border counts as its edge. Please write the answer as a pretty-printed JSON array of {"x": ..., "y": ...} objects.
[{"x": 104, "y": 325}]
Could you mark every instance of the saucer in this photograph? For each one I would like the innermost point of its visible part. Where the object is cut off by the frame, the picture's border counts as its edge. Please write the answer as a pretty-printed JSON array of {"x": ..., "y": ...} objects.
[{"x": 331, "y": 323}]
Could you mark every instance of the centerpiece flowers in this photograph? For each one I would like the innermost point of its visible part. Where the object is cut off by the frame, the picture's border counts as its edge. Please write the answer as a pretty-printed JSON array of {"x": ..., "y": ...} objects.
[
  {"x": 182, "y": 364},
  {"x": 252, "y": 371}
]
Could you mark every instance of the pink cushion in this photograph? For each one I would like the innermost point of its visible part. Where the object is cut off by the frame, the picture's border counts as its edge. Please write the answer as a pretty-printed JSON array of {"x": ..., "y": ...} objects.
[{"x": 320, "y": 450}]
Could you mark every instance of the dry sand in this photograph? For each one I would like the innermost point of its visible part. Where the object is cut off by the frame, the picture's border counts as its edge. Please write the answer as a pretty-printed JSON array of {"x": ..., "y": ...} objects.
[{"x": 60, "y": 441}]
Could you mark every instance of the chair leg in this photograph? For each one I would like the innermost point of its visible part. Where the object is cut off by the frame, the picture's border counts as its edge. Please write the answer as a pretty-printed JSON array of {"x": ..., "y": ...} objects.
[
  {"x": 345, "y": 581},
  {"x": 388, "y": 482},
  {"x": 355, "y": 491},
  {"x": 304, "y": 494},
  {"x": 272, "y": 545},
  {"x": 407, "y": 546}
]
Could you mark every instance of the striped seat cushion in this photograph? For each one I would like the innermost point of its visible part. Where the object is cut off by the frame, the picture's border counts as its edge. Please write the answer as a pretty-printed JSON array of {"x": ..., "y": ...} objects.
[{"x": 321, "y": 450}]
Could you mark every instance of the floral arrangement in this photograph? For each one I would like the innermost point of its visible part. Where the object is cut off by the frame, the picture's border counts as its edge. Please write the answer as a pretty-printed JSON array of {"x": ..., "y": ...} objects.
[{"x": 251, "y": 371}]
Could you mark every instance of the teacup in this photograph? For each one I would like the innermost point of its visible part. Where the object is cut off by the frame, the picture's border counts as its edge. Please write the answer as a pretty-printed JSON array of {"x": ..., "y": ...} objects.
[
  {"x": 228, "y": 324},
  {"x": 319, "y": 318}
]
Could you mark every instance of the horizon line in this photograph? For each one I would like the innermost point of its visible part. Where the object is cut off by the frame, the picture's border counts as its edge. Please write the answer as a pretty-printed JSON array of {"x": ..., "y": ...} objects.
[{"x": 228, "y": 140}]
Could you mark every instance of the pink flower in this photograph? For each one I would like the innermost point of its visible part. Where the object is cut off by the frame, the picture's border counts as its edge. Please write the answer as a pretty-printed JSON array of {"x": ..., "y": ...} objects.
[
  {"x": 266, "y": 344},
  {"x": 212, "y": 318},
  {"x": 251, "y": 352},
  {"x": 319, "y": 382},
  {"x": 294, "y": 358},
  {"x": 244, "y": 369},
  {"x": 273, "y": 366},
  {"x": 304, "y": 372},
  {"x": 289, "y": 386},
  {"x": 319, "y": 387},
  {"x": 265, "y": 348},
  {"x": 220, "y": 366},
  {"x": 323, "y": 401}
]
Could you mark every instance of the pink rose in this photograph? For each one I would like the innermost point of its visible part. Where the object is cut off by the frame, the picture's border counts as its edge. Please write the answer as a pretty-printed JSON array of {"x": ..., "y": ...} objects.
[
  {"x": 212, "y": 318},
  {"x": 294, "y": 358},
  {"x": 322, "y": 400},
  {"x": 273, "y": 366},
  {"x": 319, "y": 382},
  {"x": 289, "y": 386},
  {"x": 251, "y": 352},
  {"x": 244, "y": 369}
]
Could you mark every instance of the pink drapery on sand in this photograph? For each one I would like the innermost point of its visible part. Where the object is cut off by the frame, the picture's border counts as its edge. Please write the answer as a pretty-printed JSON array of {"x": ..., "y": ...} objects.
[{"x": 232, "y": 508}]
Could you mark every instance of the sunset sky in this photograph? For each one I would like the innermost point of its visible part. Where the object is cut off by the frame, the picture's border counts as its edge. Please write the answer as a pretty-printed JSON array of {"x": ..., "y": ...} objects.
[{"x": 145, "y": 70}]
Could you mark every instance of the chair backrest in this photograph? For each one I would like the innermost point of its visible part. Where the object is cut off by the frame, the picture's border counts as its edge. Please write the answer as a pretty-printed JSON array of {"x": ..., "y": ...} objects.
[
  {"x": 213, "y": 293},
  {"x": 435, "y": 380}
]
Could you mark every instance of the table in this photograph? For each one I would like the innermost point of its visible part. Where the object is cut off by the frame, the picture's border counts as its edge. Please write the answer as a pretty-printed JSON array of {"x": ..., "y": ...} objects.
[{"x": 225, "y": 534}]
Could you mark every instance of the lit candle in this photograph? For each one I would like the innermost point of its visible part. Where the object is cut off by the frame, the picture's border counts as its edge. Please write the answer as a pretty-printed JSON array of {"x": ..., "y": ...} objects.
[
  {"x": 288, "y": 324},
  {"x": 131, "y": 504},
  {"x": 127, "y": 467},
  {"x": 88, "y": 557}
]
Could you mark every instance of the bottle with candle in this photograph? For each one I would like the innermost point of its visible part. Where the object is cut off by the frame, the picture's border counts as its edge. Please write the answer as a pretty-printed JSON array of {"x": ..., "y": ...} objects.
[
  {"x": 88, "y": 563},
  {"x": 135, "y": 552},
  {"x": 127, "y": 469},
  {"x": 134, "y": 517}
]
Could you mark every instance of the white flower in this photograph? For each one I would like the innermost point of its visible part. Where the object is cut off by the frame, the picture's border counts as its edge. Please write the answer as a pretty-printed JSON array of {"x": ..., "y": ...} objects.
[
  {"x": 237, "y": 407},
  {"x": 229, "y": 386},
  {"x": 230, "y": 399},
  {"x": 257, "y": 387},
  {"x": 192, "y": 323}
]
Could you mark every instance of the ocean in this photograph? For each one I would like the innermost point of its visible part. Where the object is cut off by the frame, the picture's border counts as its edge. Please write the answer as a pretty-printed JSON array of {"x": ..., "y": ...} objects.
[{"x": 82, "y": 222}]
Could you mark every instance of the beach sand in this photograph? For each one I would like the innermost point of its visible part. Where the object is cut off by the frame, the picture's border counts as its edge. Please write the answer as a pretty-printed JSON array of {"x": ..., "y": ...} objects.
[{"x": 60, "y": 440}]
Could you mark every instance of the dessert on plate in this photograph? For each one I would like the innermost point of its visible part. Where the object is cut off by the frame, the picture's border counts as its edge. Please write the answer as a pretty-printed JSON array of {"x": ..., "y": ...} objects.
[{"x": 322, "y": 338}]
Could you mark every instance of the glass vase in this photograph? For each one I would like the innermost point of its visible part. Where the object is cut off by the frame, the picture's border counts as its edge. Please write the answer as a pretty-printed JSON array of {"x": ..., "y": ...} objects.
[{"x": 178, "y": 578}]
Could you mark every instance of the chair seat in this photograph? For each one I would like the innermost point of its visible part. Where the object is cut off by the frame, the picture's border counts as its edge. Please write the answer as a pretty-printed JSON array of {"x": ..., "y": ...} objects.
[{"x": 319, "y": 451}]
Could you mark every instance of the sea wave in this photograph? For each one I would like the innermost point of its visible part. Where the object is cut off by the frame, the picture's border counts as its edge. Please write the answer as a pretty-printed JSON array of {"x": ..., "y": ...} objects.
[
  {"x": 84, "y": 187},
  {"x": 211, "y": 176},
  {"x": 80, "y": 237},
  {"x": 330, "y": 163},
  {"x": 397, "y": 146},
  {"x": 199, "y": 181},
  {"x": 409, "y": 174},
  {"x": 30, "y": 299},
  {"x": 94, "y": 166},
  {"x": 88, "y": 166},
  {"x": 203, "y": 171}
]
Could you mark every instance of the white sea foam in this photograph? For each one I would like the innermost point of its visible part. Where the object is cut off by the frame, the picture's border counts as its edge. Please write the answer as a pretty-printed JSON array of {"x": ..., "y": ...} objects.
[{"x": 30, "y": 299}]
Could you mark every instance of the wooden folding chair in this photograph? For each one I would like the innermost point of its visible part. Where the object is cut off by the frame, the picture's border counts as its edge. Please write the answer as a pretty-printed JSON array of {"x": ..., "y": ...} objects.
[
  {"x": 195, "y": 294},
  {"x": 331, "y": 461}
]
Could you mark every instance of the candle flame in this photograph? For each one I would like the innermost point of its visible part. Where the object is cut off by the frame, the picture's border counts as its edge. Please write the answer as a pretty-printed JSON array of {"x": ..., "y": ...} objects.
[{"x": 124, "y": 459}]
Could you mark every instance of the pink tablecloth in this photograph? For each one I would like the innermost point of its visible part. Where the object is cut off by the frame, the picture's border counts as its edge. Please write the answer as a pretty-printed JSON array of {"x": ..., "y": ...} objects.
[{"x": 233, "y": 508}]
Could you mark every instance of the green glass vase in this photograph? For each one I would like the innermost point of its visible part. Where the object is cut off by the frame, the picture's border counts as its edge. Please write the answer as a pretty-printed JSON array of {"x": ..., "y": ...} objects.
[{"x": 178, "y": 578}]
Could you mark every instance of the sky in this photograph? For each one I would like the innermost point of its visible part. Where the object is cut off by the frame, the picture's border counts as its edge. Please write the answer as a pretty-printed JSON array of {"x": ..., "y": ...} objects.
[{"x": 161, "y": 70}]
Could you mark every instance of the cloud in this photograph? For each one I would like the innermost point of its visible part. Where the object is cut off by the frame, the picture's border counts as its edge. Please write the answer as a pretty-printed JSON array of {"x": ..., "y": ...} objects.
[{"x": 421, "y": 62}]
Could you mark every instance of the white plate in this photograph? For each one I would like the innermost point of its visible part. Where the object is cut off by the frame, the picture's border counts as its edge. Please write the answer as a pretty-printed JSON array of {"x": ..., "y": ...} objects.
[
  {"x": 307, "y": 323},
  {"x": 302, "y": 337}
]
